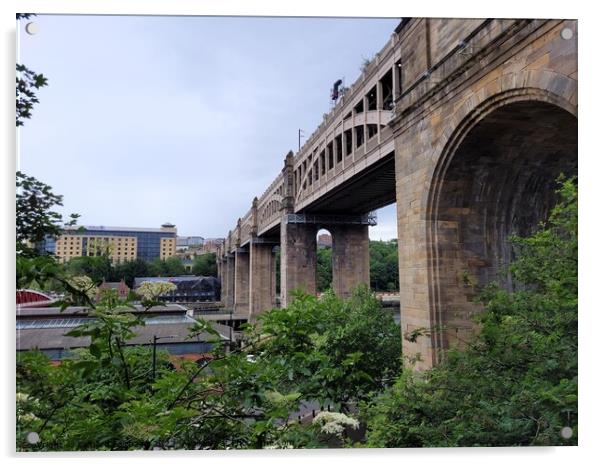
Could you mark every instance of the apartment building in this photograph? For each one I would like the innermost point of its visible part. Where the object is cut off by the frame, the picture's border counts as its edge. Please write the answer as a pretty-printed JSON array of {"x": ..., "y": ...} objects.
[{"x": 121, "y": 244}]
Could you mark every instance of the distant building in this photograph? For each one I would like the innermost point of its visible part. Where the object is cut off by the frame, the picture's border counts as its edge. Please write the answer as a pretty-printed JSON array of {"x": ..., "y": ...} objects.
[
  {"x": 187, "y": 256},
  {"x": 185, "y": 242},
  {"x": 190, "y": 288},
  {"x": 45, "y": 329},
  {"x": 120, "y": 243},
  {"x": 211, "y": 245},
  {"x": 122, "y": 289},
  {"x": 324, "y": 241}
]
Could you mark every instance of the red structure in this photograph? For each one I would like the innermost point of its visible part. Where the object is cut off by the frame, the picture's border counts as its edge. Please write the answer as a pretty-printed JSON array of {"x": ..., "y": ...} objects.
[{"x": 33, "y": 298}]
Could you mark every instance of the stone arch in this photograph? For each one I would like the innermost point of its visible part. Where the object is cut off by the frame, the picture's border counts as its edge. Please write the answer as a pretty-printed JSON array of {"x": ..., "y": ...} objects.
[
  {"x": 271, "y": 208},
  {"x": 503, "y": 151},
  {"x": 245, "y": 234}
]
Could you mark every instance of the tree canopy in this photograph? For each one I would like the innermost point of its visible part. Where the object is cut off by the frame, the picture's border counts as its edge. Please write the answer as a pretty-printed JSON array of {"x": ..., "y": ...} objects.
[
  {"x": 515, "y": 382},
  {"x": 104, "y": 397},
  {"x": 205, "y": 265},
  {"x": 36, "y": 218},
  {"x": 27, "y": 83}
]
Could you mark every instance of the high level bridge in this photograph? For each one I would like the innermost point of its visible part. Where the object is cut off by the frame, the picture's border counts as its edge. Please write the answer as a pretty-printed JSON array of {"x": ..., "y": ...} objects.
[{"x": 465, "y": 124}]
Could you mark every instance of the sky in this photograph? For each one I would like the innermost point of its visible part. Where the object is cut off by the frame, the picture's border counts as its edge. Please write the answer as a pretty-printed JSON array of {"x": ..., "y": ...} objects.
[{"x": 153, "y": 119}]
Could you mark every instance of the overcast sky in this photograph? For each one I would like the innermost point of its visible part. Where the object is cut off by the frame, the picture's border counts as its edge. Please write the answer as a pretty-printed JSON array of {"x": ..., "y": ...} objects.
[{"x": 148, "y": 119}]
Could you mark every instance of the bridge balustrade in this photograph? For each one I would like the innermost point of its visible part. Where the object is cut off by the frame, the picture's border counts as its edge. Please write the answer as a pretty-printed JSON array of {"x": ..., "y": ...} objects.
[{"x": 397, "y": 134}]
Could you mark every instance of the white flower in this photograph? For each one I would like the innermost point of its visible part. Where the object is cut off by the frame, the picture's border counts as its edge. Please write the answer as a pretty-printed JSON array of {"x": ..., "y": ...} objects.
[
  {"x": 28, "y": 417},
  {"x": 85, "y": 285},
  {"x": 334, "y": 423},
  {"x": 286, "y": 446},
  {"x": 22, "y": 397},
  {"x": 152, "y": 290}
]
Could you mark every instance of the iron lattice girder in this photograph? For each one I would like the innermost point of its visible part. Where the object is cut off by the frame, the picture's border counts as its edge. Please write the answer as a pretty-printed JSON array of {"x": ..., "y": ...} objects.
[
  {"x": 259, "y": 240},
  {"x": 325, "y": 219}
]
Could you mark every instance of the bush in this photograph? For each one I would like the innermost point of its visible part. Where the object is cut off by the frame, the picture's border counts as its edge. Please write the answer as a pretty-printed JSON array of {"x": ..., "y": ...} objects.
[{"x": 516, "y": 381}]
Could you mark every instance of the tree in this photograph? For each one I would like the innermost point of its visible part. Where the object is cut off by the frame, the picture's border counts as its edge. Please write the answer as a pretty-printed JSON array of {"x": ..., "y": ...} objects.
[
  {"x": 170, "y": 267},
  {"x": 36, "y": 220},
  {"x": 205, "y": 265},
  {"x": 174, "y": 266},
  {"x": 104, "y": 396},
  {"x": 384, "y": 265},
  {"x": 515, "y": 382},
  {"x": 27, "y": 81},
  {"x": 98, "y": 268},
  {"x": 332, "y": 350},
  {"x": 129, "y": 270},
  {"x": 324, "y": 269}
]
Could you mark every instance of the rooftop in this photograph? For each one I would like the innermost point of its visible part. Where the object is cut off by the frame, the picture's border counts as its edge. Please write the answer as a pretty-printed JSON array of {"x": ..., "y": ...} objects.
[
  {"x": 30, "y": 312},
  {"x": 47, "y": 328},
  {"x": 76, "y": 228}
]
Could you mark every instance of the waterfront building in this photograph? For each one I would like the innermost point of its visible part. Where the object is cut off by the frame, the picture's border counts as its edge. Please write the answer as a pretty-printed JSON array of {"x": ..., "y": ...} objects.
[{"x": 121, "y": 244}]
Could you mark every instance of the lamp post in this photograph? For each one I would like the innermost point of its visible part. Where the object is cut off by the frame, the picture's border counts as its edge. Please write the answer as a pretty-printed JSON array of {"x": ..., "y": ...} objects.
[{"x": 155, "y": 339}]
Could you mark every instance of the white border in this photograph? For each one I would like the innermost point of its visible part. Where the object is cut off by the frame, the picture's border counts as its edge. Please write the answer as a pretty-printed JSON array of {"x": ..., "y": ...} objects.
[{"x": 589, "y": 56}]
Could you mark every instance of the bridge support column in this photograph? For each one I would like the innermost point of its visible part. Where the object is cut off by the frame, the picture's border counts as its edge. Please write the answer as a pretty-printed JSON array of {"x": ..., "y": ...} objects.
[
  {"x": 228, "y": 281},
  {"x": 350, "y": 258},
  {"x": 220, "y": 273},
  {"x": 298, "y": 258},
  {"x": 241, "y": 281},
  {"x": 262, "y": 280}
]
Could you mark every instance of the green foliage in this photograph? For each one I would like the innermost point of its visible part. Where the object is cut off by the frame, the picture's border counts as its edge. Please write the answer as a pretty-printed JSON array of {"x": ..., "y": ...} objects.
[
  {"x": 36, "y": 221},
  {"x": 384, "y": 266},
  {"x": 129, "y": 270},
  {"x": 205, "y": 265},
  {"x": 27, "y": 82},
  {"x": 170, "y": 267},
  {"x": 324, "y": 269},
  {"x": 104, "y": 397},
  {"x": 98, "y": 268},
  {"x": 332, "y": 350},
  {"x": 35, "y": 218},
  {"x": 101, "y": 268},
  {"x": 515, "y": 382}
]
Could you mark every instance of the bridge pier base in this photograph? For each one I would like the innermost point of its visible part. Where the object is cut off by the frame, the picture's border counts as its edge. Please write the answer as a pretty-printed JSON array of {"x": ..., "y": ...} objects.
[
  {"x": 241, "y": 281},
  {"x": 350, "y": 258},
  {"x": 298, "y": 258},
  {"x": 262, "y": 280},
  {"x": 220, "y": 274},
  {"x": 228, "y": 281}
]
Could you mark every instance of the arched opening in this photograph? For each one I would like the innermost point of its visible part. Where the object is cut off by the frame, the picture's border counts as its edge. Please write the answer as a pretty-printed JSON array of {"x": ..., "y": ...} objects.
[
  {"x": 498, "y": 181},
  {"x": 384, "y": 253},
  {"x": 323, "y": 260}
]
